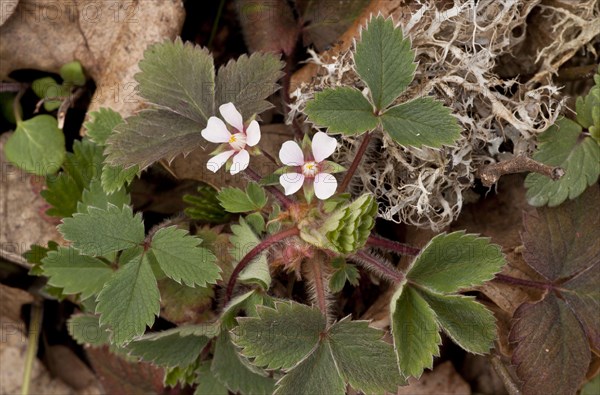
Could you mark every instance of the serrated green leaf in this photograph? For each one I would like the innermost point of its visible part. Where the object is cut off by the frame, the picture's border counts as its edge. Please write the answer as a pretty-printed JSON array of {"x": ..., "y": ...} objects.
[
  {"x": 66, "y": 268},
  {"x": 62, "y": 193},
  {"x": 455, "y": 261},
  {"x": 415, "y": 331},
  {"x": 552, "y": 353},
  {"x": 468, "y": 323},
  {"x": 204, "y": 206},
  {"x": 115, "y": 177},
  {"x": 184, "y": 375},
  {"x": 99, "y": 232},
  {"x": 130, "y": 301},
  {"x": 248, "y": 81},
  {"x": 563, "y": 145},
  {"x": 207, "y": 382},
  {"x": 72, "y": 73},
  {"x": 37, "y": 145},
  {"x": 95, "y": 196},
  {"x": 421, "y": 122},
  {"x": 344, "y": 272},
  {"x": 234, "y": 306},
  {"x": 244, "y": 240},
  {"x": 152, "y": 135},
  {"x": 46, "y": 88},
  {"x": 316, "y": 374},
  {"x": 236, "y": 372},
  {"x": 36, "y": 254},
  {"x": 85, "y": 164},
  {"x": 180, "y": 77},
  {"x": 180, "y": 304},
  {"x": 85, "y": 329},
  {"x": 180, "y": 258},
  {"x": 101, "y": 124},
  {"x": 587, "y": 107},
  {"x": 171, "y": 350},
  {"x": 384, "y": 60},
  {"x": 234, "y": 200},
  {"x": 257, "y": 222},
  {"x": 342, "y": 110},
  {"x": 279, "y": 338},
  {"x": 364, "y": 360}
]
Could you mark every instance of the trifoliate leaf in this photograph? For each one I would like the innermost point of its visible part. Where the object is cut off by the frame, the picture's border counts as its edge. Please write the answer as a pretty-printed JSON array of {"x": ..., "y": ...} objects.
[
  {"x": 100, "y": 232},
  {"x": 95, "y": 196},
  {"x": 236, "y": 372},
  {"x": 207, "y": 382},
  {"x": 248, "y": 81},
  {"x": 421, "y": 122},
  {"x": 72, "y": 73},
  {"x": 563, "y": 241},
  {"x": 66, "y": 268},
  {"x": 234, "y": 200},
  {"x": 563, "y": 145},
  {"x": 316, "y": 374},
  {"x": 179, "y": 77},
  {"x": 129, "y": 301},
  {"x": 552, "y": 353},
  {"x": 279, "y": 338},
  {"x": 364, "y": 361},
  {"x": 244, "y": 240},
  {"x": 115, "y": 177},
  {"x": 384, "y": 61},
  {"x": 168, "y": 350},
  {"x": 85, "y": 164},
  {"x": 204, "y": 206},
  {"x": 454, "y": 261},
  {"x": 47, "y": 88},
  {"x": 342, "y": 110},
  {"x": 468, "y": 323},
  {"x": 151, "y": 135},
  {"x": 180, "y": 258},
  {"x": 101, "y": 124},
  {"x": 415, "y": 331},
  {"x": 85, "y": 329},
  {"x": 37, "y": 145},
  {"x": 344, "y": 272}
]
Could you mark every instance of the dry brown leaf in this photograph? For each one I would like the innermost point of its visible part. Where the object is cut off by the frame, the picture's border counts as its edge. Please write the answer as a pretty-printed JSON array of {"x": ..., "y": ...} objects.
[
  {"x": 107, "y": 37},
  {"x": 7, "y": 8}
]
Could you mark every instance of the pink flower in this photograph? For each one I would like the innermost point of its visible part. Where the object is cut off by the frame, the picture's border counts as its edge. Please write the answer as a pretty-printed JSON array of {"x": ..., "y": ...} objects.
[
  {"x": 311, "y": 168},
  {"x": 234, "y": 141}
]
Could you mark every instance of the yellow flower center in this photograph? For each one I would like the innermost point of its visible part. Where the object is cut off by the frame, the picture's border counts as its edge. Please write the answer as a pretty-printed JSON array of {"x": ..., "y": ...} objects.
[{"x": 310, "y": 169}]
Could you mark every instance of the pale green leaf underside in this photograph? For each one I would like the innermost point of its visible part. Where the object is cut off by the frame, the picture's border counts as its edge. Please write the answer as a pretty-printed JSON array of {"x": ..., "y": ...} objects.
[
  {"x": 415, "y": 331},
  {"x": 236, "y": 372},
  {"x": 101, "y": 124},
  {"x": 129, "y": 301},
  {"x": 37, "y": 145},
  {"x": 468, "y": 323},
  {"x": 421, "y": 122},
  {"x": 342, "y": 110},
  {"x": 279, "y": 338},
  {"x": 248, "y": 82},
  {"x": 562, "y": 145},
  {"x": 100, "y": 232},
  {"x": 455, "y": 261},
  {"x": 385, "y": 61},
  {"x": 180, "y": 258},
  {"x": 244, "y": 240},
  {"x": 179, "y": 77},
  {"x": 85, "y": 329},
  {"x": 152, "y": 135},
  {"x": 168, "y": 351},
  {"x": 75, "y": 273}
]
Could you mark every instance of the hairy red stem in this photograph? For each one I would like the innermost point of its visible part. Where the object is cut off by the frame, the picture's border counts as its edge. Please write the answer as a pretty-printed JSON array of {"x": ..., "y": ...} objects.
[
  {"x": 317, "y": 276},
  {"x": 386, "y": 271},
  {"x": 402, "y": 249},
  {"x": 355, "y": 162},
  {"x": 253, "y": 253},
  {"x": 519, "y": 281}
]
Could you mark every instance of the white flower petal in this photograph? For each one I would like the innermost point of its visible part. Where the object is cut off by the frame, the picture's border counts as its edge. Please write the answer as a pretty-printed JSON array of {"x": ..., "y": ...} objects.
[
  {"x": 232, "y": 116},
  {"x": 240, "y": 162},
  {"x": 323, "y": 146},
  {"x": 291, "y": 154},
  {"x": 217, "y": 161},
  {"x": 291, "y": 182},
  {"x": 216, "y": 131},
  {"x": 252, "y": 134},
  {"x": 325, "y": 185}
]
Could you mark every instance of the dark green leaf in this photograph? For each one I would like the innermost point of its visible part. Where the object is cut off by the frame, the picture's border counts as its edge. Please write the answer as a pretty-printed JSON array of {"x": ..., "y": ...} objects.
[
  {"x": 101, "y": 124},
  {"x": 204, "y": 206},
  {"x": 207, "y": 382},
  {"x": 168, "y": 350},
  {"x": 72, "y": 73},
  {"x": 421, "y": 122},
  {"x": 244, "y": 240},
  {"x": 456, "y": 260},
  {"x": 344, "y": 272},
  {"x": 342, "y": 110},
  {"x": 85, "y": 329},
  {"x": 384, "y": 60},
  {"x": 95, "y": 196},
  {"x": 47, "y": 88}
]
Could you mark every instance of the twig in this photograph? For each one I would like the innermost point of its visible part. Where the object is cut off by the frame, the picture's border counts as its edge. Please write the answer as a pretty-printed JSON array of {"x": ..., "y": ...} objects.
[
  {"x": 253, "y": 253},
  {"x": 355, "y": 162},
  {"x": 12, "y": 86},
  {"x": 65, "y": 105},
  {"x": 402, "y": 249},
  {"x": 519, "y": 281},
  {"x": 35, "y": 326},
  {"x": 509, "y": 383},
  {"x": 383, "y": 269},
  {"x": 18, "y": 111},
  {"x": 490, "y": 174}
]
